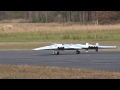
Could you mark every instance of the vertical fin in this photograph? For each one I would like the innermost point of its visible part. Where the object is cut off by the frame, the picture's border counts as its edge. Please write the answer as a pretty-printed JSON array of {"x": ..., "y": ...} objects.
[
  {"x": 97, "y": 44},
  {"x": 87, "y": 44}
]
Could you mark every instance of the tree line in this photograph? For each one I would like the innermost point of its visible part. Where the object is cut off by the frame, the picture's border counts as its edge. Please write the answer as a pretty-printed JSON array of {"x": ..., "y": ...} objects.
[{"x": 91, "y": 17}]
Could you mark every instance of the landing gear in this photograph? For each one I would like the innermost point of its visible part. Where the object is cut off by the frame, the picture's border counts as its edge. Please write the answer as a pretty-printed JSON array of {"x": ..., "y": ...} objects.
[
  {"x": 86, "y": 50},
  {"x": 96, "y": 49},
  {"x": 55, "y": 52},
  {"x": 77, "y": 52}
]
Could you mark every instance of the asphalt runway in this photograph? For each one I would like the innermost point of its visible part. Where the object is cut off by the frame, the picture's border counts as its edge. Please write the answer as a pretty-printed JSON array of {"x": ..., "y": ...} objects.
[{"x": 102, "y": 60}]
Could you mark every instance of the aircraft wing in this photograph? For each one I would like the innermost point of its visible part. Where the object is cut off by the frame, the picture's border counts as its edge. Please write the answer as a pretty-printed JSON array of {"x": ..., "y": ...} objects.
[
  {"x": 74, "y": 47},
  {"x": 71, "y": 47},
  {"x": 59, "y": 47},
  {"x": 51, "y": 47},
  {"x": 107, "y": 47}
]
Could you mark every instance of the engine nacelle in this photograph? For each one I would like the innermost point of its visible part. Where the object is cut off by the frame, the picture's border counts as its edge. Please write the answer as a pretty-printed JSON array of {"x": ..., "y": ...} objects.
[
  {"x": 93, "y": 47},
  {"x": 60, "y": 46}
]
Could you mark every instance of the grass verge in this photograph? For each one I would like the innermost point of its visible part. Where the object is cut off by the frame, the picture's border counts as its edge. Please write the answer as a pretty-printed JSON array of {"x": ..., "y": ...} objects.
[
  {"x": 47, "y": 32},
  {"x": 42, "y": 72},
  {"x": 48, "y": 36}
]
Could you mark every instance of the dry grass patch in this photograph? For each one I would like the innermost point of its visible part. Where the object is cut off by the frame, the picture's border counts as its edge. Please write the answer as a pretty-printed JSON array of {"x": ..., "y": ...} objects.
[
  {"x": 34, "y": 27},
  {"x": 41, "y": 72}
]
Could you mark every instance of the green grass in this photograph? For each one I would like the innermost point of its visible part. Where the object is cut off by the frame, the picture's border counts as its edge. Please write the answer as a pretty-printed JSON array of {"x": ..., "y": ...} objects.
[
  {"x": 48, "y": 36},
  {"x": 29, "y": 40}
]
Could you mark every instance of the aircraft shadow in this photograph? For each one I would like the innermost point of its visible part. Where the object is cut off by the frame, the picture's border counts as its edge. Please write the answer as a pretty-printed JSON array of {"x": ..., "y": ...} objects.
[
  {"x": 53, "y": 55},
  {"x": 61, "y": 54}
]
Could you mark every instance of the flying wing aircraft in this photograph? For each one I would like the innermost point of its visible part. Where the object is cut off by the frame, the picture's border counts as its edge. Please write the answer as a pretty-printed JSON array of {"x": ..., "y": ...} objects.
[{"x": 61, "y": 47}]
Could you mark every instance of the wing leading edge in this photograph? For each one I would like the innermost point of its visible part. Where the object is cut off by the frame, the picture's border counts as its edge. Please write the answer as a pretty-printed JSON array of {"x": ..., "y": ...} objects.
[
  {"x": 46, "y": 48},
  {"x": 59, "y": 47}
]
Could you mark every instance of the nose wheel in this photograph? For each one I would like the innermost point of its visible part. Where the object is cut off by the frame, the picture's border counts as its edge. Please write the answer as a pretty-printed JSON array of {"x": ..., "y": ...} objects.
[{"x": 77, "y": 52}]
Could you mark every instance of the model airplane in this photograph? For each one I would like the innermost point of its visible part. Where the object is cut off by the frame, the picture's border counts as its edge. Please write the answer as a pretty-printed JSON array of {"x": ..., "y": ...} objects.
[{"x": 61, "y": 47}]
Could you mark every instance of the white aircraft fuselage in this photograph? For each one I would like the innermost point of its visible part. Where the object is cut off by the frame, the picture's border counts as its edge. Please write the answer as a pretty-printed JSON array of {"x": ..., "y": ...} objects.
[{"x": 61, "y": 47}]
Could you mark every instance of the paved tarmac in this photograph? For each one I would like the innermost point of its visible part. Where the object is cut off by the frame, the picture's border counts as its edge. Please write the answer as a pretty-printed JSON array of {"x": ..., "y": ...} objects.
[{"x": 102, "y": 60}]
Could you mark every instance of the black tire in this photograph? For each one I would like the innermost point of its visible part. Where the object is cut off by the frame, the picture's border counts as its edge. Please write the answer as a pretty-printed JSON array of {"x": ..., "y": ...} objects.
[
  {"x": 97, "y": 50},
  {"x": 57, "y": 53},
  {"x": 77, "y": 52}
]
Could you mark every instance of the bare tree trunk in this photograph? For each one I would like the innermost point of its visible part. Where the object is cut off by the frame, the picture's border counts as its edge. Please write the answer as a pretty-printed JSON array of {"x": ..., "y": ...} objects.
[
  {"x": 70, "y": 17},
  {"x": 83, "y": 16},
  {"x": 46, "y": 15},
  {"x": 66, "y": 16},
  {"x": 88, "y": 16},
  {"x": 2, "y": 14},
  {"x": 78, "y": 16},
  {"x": 30, "y": 16},
  {"x": 36, "y": 15},
  {"x": 40, "y": 16},
  {"x": 97, "y": 17}
]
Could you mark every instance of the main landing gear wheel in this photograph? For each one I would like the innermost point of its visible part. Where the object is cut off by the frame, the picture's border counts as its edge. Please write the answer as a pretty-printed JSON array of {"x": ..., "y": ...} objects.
[
  {"x": 55, "y": 53},
  {"x": 77, "y": 52}
]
